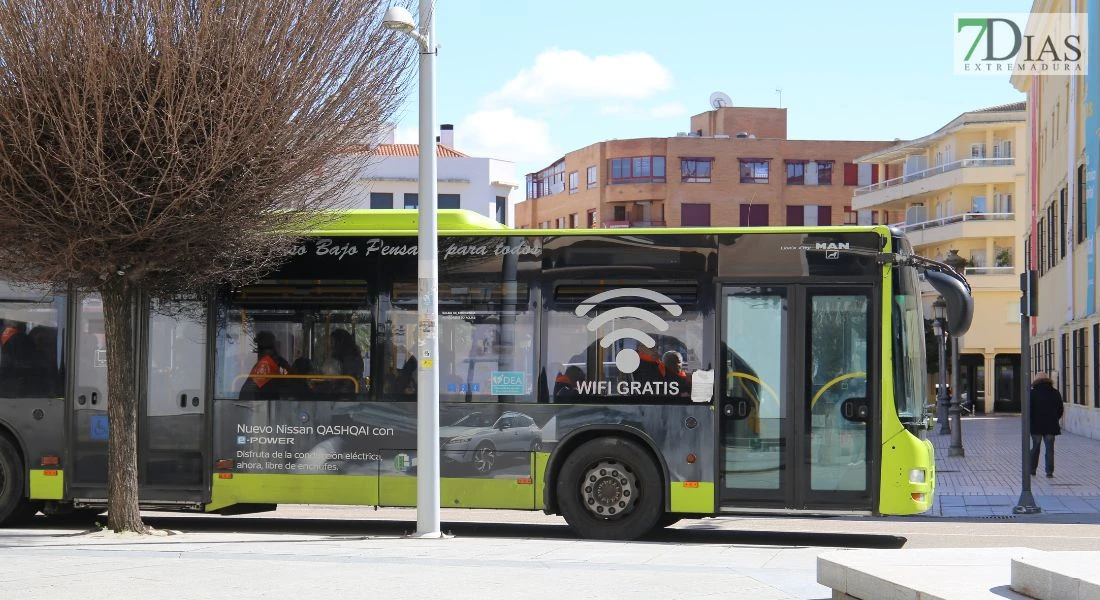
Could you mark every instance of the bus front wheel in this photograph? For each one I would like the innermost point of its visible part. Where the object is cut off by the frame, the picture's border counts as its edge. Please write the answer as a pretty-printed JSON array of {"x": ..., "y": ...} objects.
[
  {"x": 14, "y": 507},
  {"x": 610, "y": 488}
]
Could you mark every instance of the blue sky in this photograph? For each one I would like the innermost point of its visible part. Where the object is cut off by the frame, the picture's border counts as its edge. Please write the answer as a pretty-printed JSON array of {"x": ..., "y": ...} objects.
[{"x": 528, "y": 82}]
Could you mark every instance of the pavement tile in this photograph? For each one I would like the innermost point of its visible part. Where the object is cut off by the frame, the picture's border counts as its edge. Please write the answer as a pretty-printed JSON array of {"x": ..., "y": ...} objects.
[{"x": 987, "y": 480}]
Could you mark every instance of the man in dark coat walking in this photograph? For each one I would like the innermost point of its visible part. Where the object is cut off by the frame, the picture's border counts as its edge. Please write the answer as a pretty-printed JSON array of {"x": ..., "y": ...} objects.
[{"x": 1046, "y": 411}]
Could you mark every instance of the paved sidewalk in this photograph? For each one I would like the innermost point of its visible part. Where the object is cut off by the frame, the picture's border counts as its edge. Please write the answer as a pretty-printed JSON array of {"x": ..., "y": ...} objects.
[{"x": 986, "y": 482}]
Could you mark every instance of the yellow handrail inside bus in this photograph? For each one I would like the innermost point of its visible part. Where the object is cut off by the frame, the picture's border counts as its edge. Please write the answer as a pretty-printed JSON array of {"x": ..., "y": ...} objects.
[
  {"x": 754, "y": 419},
  {"x": 239, "y": 378},
  {"x": 835, "y": 381}
]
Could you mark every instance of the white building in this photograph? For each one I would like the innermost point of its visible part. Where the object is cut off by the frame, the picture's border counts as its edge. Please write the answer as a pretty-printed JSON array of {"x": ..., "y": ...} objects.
[{"x": 389, "y": 179}]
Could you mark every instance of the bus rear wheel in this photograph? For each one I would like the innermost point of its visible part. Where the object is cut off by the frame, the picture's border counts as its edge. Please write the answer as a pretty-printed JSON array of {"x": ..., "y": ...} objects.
[
  {"x": 610, "y": 488},
  {"x": 14, "y": 506}
]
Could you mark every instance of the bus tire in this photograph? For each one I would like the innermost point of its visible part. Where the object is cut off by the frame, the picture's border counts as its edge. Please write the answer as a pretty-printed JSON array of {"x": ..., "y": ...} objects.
[
  {"x": 668, "y": 520},
  {"x": 14, "y": 506},
  {"x": 610, "y": 488}
]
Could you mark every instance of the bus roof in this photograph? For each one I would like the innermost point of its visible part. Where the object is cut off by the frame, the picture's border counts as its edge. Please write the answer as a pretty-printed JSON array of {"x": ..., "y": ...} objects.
[{"x": 357, "y": 222}]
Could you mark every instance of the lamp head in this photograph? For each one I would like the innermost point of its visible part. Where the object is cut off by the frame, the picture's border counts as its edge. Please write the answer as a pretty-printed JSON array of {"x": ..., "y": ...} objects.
[
  {"x": 939, "y": 309},
  {"x": 399, "y": 19}
]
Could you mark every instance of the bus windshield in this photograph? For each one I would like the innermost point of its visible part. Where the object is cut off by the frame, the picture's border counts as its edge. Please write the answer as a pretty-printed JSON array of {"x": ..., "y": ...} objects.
[{"x": 910, "y": 385}]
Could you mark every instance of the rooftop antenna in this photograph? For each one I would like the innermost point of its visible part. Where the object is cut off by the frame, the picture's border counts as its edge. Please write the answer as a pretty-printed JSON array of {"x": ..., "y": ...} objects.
[
  {"x": 720, "y": 100},
  {"x": 779, "y": 92}
]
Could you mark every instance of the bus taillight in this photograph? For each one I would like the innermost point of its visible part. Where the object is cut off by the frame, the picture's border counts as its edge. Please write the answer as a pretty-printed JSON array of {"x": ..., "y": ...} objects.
[
  {"x": 223, "y": 464},
  {"x": 51, "y": 461}
]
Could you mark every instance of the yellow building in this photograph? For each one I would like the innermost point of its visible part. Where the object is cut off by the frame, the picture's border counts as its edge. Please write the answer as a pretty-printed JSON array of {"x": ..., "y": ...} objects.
[
  {"x": 1064, "y": 139},
  {"x": 960, "y": 190}
]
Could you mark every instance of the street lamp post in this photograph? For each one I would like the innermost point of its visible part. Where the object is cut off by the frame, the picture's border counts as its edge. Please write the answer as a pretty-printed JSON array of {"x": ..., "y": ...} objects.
[
  {"x": 955, "y": 412},
  {"x": 427, "y": 382},
  {"x": 939, "y": 312},
  {"x": 957, "y": 263}
]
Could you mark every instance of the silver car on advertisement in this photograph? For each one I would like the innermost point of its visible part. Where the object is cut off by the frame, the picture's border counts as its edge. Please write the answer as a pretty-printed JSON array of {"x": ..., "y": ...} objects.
[{"x": 477, "y": 440}]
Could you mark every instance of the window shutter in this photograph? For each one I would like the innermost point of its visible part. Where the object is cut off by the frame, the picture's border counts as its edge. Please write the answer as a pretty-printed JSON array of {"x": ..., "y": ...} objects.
[
  {"x": 851, "y": 174},
  {"x": 794, "y": 215}
]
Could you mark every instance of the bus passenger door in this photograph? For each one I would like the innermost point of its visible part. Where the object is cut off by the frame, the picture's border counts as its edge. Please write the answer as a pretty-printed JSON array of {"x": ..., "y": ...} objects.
[
  {"x": 173, "y": 423},
  {"x": 757, "y": 423},
  {"x": 88, "y": 477},
  {"x": 797, "y": 410}
]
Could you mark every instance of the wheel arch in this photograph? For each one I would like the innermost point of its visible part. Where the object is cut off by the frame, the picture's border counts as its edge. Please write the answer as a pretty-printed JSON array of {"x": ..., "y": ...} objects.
[
  {"x": 581, "y": 435},
  {"x": 7, "y": 431}
]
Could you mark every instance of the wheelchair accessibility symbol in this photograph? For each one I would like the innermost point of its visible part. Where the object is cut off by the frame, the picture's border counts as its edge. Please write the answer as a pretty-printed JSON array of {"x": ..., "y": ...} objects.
[{"x": 98, "y": 427}]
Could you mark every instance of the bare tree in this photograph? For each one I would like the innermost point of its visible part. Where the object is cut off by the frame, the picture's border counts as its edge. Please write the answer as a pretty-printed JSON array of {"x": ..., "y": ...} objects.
[{"x": 158, "y": 146}]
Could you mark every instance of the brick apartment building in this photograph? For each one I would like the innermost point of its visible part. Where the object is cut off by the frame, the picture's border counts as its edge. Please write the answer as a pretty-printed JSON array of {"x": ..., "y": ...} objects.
[{"x": 735, "y": 167}]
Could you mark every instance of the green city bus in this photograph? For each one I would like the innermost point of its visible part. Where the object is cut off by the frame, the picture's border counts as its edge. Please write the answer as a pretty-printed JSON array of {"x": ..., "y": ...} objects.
[{"x": 622, "y": 378}]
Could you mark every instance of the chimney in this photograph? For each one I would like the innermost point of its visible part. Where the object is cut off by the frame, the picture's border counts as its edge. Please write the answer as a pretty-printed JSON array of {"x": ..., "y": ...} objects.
[{"x": 447, "y": 135}]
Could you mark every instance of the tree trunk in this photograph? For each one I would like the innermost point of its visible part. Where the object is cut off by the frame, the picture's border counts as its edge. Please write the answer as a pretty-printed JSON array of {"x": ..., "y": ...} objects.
[{"x": 120, "y": 310}]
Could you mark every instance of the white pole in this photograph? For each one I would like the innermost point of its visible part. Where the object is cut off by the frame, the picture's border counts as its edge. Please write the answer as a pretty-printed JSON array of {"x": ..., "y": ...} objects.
[{"x": 427, "y": 388}]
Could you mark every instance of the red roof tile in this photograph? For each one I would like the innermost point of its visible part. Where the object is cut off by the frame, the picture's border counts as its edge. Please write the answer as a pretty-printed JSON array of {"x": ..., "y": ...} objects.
[{"x": 414, "y": 150}]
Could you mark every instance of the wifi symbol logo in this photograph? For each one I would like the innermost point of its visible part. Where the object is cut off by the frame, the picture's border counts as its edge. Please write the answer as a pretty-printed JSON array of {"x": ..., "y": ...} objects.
[{"x": 627, "y": 360}]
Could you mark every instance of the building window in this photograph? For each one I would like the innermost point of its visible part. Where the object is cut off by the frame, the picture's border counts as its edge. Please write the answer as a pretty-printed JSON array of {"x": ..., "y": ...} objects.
[
  {"x": 753, "y": 215},
  {"x": 501, "y": 209},
  {"x": 796, "y": 172},
  {"x": 1062, "y": 204},
  {"x": 1065, "y": 371},
  {"x": 851, "y": 217},
  {"x": 381, "y": 200},
  {"x": 1051, "y": 239},
  {"x": 861, "y": 175},
  {"x": 754, "y": 170},
  {"x": 449, "y": 201},
  {"x": 638, "y": 169},
  {"x": 824, "y": 172},
  {"x": 1096, "y": 366},
  {"x": 1080, "y": 366},
  {"x": 619, "y": 213},
  {"x": 550, "y": 180},
  {"x": 593, "y": 218},
  {"x": 411, "y": 201},
  {"x": 592, "y": 177},
  {"x": 868, "y": 217},
  {"x": 1082, "y": 205},
  {"x": 695, "y": 170},
  {"x": 573, "y": 220},
  {"x": 574, "y": 178},
  {"x": 809, "y": 214}
]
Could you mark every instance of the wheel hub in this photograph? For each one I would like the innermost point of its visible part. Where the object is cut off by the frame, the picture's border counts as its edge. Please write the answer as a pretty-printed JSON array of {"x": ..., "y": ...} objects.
[{"x": 609, "y": 490}]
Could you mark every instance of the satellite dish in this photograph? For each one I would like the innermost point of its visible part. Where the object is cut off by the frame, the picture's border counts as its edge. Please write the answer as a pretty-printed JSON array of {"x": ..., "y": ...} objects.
[{"x": 720, "y": 100}]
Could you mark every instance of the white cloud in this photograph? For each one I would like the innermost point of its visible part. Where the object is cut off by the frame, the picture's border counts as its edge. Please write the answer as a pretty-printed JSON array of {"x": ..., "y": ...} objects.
[
  {"x": 501, "y": 133},
  {"x": 559, "y": 75}
]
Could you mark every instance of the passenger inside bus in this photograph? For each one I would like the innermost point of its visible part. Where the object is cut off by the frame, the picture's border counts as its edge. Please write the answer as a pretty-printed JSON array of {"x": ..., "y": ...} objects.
[
  {"x": 565, "y": 384},
  {"x": 17, "y": 353},
  {"x": 674, "y": 373},
  {"x": 346, "y": 362},
  {"x": 268, "y": 362}
]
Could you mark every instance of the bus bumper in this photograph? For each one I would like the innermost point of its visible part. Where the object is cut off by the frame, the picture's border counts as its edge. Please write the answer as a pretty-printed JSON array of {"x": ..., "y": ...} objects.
[{"x": 908, "y": 475}]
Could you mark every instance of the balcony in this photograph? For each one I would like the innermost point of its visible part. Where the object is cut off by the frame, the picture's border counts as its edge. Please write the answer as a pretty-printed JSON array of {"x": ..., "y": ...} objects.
[
  {"x": 966, "y": 225},
  {"x": 969, "y": 171}
]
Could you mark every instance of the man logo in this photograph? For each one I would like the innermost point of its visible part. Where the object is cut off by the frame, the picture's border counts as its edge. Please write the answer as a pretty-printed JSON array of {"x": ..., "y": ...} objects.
[{"x": 627, "y": 360}]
